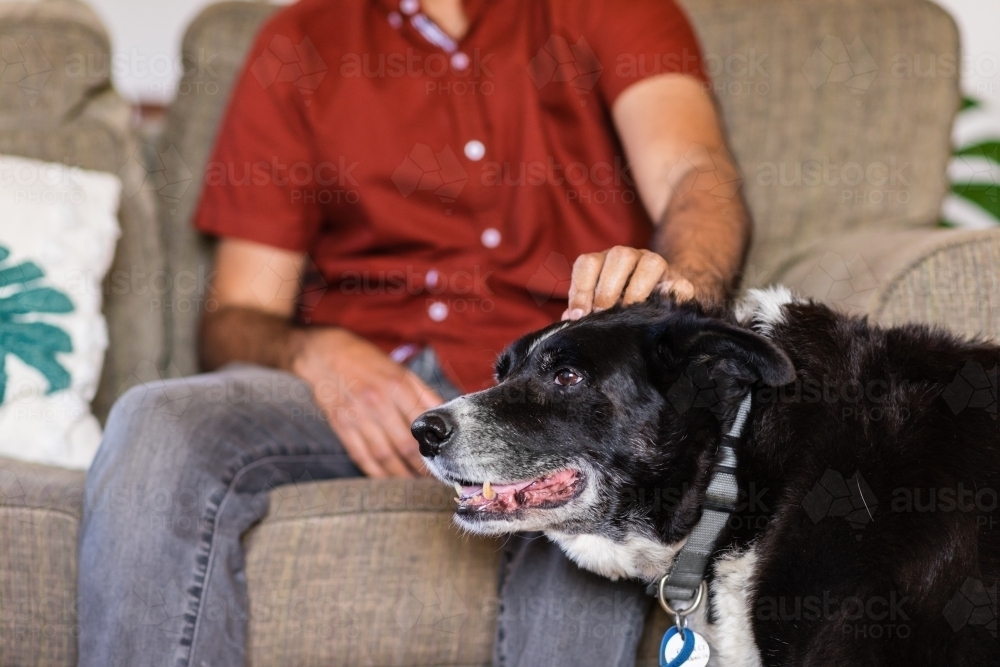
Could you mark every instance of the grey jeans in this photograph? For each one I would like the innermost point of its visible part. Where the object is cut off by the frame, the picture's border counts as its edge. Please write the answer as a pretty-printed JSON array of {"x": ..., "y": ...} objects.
[{"x": 185, "y": 469}]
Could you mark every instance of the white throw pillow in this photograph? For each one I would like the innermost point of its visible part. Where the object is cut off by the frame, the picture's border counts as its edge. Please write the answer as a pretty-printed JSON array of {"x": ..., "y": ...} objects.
[{"x": 58, "y": 230}]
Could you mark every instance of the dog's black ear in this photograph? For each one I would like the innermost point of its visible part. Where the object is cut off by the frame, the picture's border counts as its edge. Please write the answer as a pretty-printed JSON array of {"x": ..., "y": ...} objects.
[{"x": 729, "y": 351}]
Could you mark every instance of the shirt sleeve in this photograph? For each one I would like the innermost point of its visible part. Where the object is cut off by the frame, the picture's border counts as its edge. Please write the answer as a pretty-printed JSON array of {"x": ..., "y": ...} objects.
[
  {"x": 636, "y": 39},
  {"x": 254, "y": 187}
]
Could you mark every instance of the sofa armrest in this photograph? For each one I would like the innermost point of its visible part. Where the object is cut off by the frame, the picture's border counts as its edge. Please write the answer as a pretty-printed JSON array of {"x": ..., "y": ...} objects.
[
  {"x": 369, "y": 572},
  {"x": 949, "y": 278},
  {"x": 40, "y": 509}
]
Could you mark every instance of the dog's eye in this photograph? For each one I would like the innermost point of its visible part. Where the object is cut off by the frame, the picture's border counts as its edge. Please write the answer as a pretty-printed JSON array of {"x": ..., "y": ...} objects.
[{"x": 567, "y": 378}]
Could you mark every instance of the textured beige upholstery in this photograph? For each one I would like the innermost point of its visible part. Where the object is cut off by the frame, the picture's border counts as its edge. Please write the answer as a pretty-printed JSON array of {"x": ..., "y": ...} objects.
[
  {"x": 214, "y": 49},
  {"x": 779, "y": 80},
  {"x": 39, "y": 515},
  {"x": 371, "y": 573},
  {"x": 932, "y": 276}
]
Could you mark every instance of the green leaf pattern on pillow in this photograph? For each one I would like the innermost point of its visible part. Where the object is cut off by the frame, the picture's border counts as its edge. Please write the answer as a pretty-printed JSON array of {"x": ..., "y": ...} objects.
[{"x": 35, "y": 343}]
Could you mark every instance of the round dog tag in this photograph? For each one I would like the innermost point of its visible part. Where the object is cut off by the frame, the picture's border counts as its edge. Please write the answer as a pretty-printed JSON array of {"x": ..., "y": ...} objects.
[{"x": 691, "y": 650}]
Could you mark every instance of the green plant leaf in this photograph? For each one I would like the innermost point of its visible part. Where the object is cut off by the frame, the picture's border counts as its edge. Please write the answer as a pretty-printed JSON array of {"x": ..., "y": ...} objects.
[
  {"x": 984, "y": 195},
  {"x": 969, "y": 103},
  {"x": 986, "y": 149}
]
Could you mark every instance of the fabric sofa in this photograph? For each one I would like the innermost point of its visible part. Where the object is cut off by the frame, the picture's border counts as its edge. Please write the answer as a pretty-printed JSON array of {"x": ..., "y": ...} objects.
[{"x": 372, "y": 573}]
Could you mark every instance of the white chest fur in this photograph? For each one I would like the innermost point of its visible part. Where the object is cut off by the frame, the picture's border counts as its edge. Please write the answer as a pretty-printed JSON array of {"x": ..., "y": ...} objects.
[
  {"x": 636, "y": 557},
  {"x": 731, "y": 635}
]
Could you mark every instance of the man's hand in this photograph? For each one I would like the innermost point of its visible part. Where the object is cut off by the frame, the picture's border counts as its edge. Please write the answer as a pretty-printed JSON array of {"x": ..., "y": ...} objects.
[
  {"x": 369, "y": 400},
  {"x": 602, "y": 279}
]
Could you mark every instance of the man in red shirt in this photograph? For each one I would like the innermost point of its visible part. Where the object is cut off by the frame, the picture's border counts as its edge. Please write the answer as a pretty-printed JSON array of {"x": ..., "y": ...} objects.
[{"x": 400, "y": 188}]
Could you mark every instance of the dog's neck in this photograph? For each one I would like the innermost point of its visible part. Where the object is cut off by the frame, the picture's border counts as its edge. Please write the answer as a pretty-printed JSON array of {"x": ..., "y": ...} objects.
[{"x": 646, "y": 557}]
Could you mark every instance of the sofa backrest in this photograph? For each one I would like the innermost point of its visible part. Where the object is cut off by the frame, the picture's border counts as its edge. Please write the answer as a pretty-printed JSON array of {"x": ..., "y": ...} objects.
[
  {"x": 214, "y": 48},
  {"x": 56, "y": 104},
  {"x": 839, "y": 114}
]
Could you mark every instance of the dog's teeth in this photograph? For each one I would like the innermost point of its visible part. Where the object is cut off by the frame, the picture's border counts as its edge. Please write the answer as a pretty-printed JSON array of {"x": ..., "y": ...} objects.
[
  {"x": 458, "y": 489},
  {"x": 488, "y": 491}
]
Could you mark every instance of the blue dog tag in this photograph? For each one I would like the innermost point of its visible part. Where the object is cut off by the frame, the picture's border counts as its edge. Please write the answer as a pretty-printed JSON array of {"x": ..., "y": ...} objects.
[{"x": 684, "y": 647}]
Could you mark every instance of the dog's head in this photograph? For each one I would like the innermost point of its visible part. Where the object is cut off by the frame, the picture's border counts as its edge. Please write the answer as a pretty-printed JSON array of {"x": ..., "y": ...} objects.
[{"x": 603, "y": 426}]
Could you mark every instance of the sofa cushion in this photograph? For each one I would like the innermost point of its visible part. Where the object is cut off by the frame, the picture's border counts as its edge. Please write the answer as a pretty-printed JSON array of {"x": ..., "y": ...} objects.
[
  {"x": 72, "y": 116},
  {"x": 40, "y": 510},
  {"x": 367, "y": 572}
]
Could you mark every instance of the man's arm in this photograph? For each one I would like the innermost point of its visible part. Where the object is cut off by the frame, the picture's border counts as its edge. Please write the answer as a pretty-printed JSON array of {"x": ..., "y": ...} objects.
[
  {"x": 368, "y": 399},
  {"x": 689, "y": 186}
]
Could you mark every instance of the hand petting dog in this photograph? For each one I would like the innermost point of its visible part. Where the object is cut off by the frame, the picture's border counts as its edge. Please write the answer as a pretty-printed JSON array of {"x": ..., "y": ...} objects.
[{"x": 630, "y": 275}]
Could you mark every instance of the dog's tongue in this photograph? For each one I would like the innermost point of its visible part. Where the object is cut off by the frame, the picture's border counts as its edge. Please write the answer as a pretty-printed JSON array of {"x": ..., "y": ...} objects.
[{"x": 506, "y": 497}]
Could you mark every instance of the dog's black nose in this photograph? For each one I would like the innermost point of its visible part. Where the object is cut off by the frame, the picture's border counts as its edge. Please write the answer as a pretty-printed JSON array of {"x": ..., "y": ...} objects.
[{"x": 432, "y": 430}]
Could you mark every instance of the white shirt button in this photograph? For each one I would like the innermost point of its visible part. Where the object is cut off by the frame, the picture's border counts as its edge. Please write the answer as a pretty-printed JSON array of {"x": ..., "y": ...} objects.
[
  {"x": 491, "y": 237},
  {"x": 409, "y": 7},
  {"x": 459, "y": 61},
  {"x": 432, "y": 278},
  {"x": 395, "y": 20},
  {"x": 475, "y": 150},
  {"x": 438, "y": 311}
]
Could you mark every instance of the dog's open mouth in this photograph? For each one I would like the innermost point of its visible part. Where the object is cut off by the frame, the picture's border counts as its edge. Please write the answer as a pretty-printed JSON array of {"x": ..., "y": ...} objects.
[{"x": 543, "y": 492}]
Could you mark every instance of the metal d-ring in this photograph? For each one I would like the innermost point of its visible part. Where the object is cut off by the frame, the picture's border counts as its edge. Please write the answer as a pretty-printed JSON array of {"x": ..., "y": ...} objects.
[{"x": 680, "y": 614}]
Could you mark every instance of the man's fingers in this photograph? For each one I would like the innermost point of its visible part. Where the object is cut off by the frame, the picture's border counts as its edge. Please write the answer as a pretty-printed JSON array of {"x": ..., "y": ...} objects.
[
  {"x": 427, "y": 398},
  {"x": 397, "y": 427},
  {"x": 380, "y": 449},
  {"x": 681, "y": 289},
  {"x": 354, "y": 444},
  {"x": 618, "y": 266},
  {"x": 647, "y": 275},
  {"x": 413, "y": 397},
  {"x": 586, "y": 272}
]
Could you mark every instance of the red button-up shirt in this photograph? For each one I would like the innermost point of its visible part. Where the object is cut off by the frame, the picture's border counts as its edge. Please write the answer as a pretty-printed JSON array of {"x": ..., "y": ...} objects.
[{"x": 441, "y": 189}]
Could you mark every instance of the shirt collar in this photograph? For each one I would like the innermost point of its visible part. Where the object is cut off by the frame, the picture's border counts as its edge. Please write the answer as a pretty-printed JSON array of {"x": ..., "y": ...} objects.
[{"x": 473, "y": 8}]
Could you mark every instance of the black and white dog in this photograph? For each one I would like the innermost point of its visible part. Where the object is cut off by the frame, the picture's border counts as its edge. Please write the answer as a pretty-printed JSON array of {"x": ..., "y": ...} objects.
[{"x": 868, "y": 531}]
